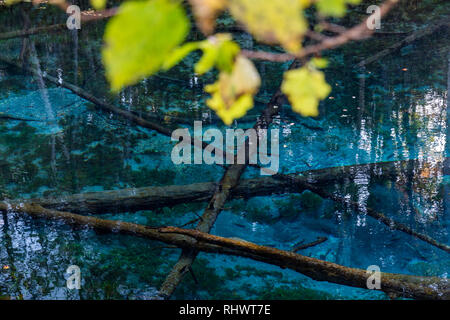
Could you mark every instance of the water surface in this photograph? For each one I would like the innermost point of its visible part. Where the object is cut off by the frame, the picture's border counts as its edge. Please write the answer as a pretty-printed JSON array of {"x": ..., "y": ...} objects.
[{"x": 395, "y": 108}]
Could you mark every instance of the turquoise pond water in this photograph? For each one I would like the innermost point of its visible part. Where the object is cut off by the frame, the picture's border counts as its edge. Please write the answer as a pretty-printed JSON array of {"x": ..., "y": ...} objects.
[{"x": 395, "y": 108}]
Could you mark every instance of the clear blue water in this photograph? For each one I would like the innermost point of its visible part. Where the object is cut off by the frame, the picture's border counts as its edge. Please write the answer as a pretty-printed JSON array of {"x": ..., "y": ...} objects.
[{"x": 394, "y": 109}]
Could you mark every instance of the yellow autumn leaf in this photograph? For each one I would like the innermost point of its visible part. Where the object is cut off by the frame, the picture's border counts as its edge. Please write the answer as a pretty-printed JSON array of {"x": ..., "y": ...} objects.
[
  {"x": 244, "y": 78},
  {"x": 335, "y": 8},
  {"x": 319, "y": 63},
  {"x": 237, "y": 110},
  {"x": 304, "y": 88},
  {"x": 205, "y": 12},
  {"x": 11, "y": 2},
  {"x": 218, "y": 50},
  {"x": 98, "y": 4},
  {"x": 305, "y": 3},
  {"x": 232, "y": 94},
  {"x": 272, "y": 21}
]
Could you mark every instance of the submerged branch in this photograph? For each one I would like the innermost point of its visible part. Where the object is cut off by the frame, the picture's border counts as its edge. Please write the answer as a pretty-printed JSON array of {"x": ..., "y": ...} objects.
[
  {"x": 86, "y": 16},
  {"x": 32, "y": 31},
  {"x": 309, "y": 245},
  {"x": 135, "y": 199},
  {"x": 4, "y": 116},
  {"x": 132, "y": 200},
  {"x": 411, "y": 38},
  {"x": 394, "y": 284},
  {"x": 392, "y": 224},
  {"x": 105, "y": 106}
]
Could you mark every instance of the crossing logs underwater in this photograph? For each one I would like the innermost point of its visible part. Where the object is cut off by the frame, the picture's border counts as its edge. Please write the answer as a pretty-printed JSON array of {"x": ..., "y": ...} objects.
[
  {"x": 227, "y": 184},
  {"x": 146, "y": 198},
  {"x": 398, "y": 285},
  {"x": 132, "y": 200}
]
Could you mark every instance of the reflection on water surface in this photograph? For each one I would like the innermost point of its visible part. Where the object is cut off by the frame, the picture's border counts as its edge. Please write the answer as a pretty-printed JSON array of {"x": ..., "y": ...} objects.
[{"x": 392, "y": 109}]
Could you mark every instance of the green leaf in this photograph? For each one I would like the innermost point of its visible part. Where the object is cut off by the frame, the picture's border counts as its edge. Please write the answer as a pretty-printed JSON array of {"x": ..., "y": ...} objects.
[
  {"x": 179, "y": 54},
  {"x": 319, "y": 63},
  {"x": 98, "y": 4},
  {"x": 304, "y": 88},
  {"x": 335, "y": 8},
  {"x": 208, "y": 59},
  {"x": 140, "y": 37},
  {"x": 218, "y": 50},
  {"x": 11, "y": 2},
  {"x": 225, "y": 58}
]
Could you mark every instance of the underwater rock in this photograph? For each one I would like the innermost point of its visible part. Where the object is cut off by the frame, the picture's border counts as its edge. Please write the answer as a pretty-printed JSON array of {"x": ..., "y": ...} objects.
[{"x": 423, "y": 268}]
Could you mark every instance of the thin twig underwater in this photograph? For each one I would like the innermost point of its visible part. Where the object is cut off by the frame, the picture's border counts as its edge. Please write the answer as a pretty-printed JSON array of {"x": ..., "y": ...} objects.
[{"x": 4, "y": 116}]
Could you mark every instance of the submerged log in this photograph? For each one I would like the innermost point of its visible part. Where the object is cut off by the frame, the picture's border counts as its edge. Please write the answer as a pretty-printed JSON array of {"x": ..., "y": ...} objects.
[
  {"x": 407, "y": 286},
  {"x": 229, "y": 180},
  {"x": 32, "y": 31},
  {"x": 398, "y": 285},
  {"x": 131, "y": 200},
  {"x": 309, "y": 245},
  {"x": 135, "y": 199}
]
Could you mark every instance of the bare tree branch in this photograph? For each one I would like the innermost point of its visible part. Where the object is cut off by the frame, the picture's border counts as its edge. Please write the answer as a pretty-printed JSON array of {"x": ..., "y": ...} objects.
[
  {"x": 359, "y": 32},
  {"x": 86, "y": 16},
  {"x": 309, "y": 245},
  {"x": 412, "y": 37},
  {"x": 394, "y": 284}
]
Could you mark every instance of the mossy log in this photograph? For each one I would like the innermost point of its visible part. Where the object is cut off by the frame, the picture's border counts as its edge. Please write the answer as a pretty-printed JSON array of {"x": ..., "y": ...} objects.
[
  {"x": 400, "y": 285},
  {"x": 135, "y": 199}
]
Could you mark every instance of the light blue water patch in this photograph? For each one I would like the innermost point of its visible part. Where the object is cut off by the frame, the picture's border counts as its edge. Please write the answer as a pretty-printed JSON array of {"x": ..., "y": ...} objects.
[{"x": 47, "y": 106}]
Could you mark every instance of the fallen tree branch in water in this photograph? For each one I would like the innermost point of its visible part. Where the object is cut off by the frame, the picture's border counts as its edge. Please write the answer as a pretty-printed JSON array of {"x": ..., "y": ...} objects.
[
  {"x": 309, "y": 245},
  {"x": 135, "y": 199},
  {"x": 411, "y": 38},
  {"x": 392, "y": 224},
  {"x": 229, "y": 180},
  {"x": 32, "y": 31},
  {"x": 131, "y": 200},
  {"x": 4, "y": 116},
  {"x": 407, "y": 286},
  {"x": 86, "y": 16},
  {"x": 105, "y": 106},
  {"x": 392, "y": 284}
]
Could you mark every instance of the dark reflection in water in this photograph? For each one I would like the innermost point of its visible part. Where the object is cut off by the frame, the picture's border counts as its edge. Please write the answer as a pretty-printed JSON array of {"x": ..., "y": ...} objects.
[{"x": 392, "y": 109}]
